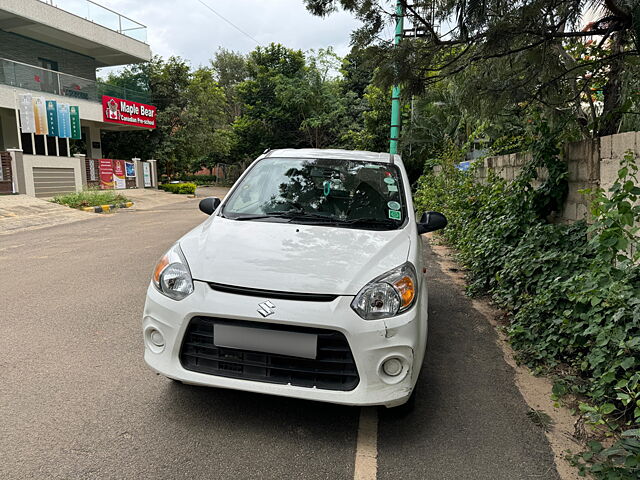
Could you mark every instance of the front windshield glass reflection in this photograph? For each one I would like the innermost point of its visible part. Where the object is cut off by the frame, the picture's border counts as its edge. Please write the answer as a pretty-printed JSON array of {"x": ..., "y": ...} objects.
[{"x": 337, "y": 190}]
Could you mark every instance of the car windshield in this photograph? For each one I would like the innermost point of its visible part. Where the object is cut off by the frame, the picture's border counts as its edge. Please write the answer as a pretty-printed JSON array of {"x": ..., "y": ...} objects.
[{"x": 329, "y": 191}]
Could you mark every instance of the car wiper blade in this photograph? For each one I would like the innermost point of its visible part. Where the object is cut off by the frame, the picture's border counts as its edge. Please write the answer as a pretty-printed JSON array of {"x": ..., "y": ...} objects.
[
  {"x": 314, "y": 216},
  {"x": 372, "y": 221},
  {"x": 286, "y": 214}
]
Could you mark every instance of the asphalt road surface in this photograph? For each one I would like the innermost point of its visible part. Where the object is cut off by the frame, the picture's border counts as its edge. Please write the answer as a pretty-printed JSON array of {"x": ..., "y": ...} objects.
[{"x": 78, "y": 402}]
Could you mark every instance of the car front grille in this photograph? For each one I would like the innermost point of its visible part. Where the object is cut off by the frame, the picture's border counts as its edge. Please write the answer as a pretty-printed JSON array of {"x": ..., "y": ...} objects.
[{"x": 332, "y": 369}]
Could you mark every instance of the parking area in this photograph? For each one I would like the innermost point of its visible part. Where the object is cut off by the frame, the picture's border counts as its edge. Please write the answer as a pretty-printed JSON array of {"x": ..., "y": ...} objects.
[{"x": 77, "y": 401}]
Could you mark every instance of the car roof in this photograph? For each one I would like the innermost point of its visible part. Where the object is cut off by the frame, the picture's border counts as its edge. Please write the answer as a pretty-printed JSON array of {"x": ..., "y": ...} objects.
[{"x": 333, "y": 153}]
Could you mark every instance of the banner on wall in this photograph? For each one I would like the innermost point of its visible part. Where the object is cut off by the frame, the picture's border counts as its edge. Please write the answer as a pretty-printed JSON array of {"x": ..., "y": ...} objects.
[
  {"x": 146, "y": 170},
  {"x": 106, "y": 173},
  {"x": 48, "y": 117},
  {"x": 40, "y": 116},
  {"x": 27, "y": 118},
  {"x": 52, "y": 117},
  {"x": 74, "y": 113},
  {"x": 119, "y": 180},
  {"x": 64, "y": 121},
  {"x": 130, "y": 169}
]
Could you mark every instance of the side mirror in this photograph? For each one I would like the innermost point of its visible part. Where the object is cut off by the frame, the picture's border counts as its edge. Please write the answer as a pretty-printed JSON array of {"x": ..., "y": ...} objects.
[
  {"x": 208, "y": 205},
  {"x": 431, "y": 221}
]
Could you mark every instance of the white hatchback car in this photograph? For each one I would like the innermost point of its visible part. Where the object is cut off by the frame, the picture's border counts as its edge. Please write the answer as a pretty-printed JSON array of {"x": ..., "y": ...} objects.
[{"x": 307, "y": 281}]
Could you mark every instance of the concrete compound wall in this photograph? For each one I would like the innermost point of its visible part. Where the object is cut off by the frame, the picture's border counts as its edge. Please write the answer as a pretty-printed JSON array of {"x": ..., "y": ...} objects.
[
  {"x": 24, "y": 181},
  {"x": 591, "y": 163}
]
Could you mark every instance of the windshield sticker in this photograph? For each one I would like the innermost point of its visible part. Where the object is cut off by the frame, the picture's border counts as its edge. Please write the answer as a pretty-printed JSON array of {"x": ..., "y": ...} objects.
[
  {"x": 395, "y": 215},
  {"x": 394, "y": 205},
  {"x": 389, "y": 181},
  {"x": 327, "y": 187},
  {"x": 392, "y": 188}
]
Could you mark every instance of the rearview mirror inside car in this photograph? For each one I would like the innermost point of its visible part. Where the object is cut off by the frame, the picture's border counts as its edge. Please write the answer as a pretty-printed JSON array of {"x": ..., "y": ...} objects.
[
  {"x": 208, "y": 205},
  {"x": 431, "y": 221}
]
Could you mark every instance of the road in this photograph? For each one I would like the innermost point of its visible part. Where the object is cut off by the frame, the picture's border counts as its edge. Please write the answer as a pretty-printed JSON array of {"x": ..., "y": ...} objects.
[{"x": 78, "y": 402}]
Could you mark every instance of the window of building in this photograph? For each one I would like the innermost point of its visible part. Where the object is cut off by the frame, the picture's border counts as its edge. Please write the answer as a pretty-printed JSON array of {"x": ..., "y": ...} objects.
[
  {"x": 48, "y": 64},
  {"x": 39, "y": 141},
  {"x": 62, "y": 147},
  {"x": 49, "y": 80},
  {"x": 27, "y": 143},
  {"x": 51, "y": 145}
]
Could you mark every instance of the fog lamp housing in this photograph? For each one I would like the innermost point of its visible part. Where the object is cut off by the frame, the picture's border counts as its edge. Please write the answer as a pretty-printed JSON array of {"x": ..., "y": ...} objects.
[{"x": 392, "y": 367}]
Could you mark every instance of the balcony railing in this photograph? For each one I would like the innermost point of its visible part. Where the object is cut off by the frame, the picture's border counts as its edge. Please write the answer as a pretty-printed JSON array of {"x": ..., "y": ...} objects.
[
  {"x": 39, "y": 79},
  {"x": 102, "y": 16}
]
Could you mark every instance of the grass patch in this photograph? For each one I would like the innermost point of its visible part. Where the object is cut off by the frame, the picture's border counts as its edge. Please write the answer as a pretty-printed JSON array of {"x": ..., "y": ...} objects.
[{"x": 90, "y": 198}]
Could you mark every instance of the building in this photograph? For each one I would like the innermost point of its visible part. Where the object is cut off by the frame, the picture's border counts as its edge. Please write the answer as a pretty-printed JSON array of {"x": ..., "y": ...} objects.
[{"x": 48, "y": 60}]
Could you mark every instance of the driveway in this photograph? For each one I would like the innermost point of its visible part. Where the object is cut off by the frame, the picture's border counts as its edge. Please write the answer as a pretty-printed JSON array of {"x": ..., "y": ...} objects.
[{"x": 77, "y": 401}]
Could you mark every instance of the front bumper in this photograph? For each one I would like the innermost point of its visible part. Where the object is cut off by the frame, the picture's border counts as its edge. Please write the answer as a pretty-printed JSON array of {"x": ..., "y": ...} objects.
[{"x": 371, "y": 342}]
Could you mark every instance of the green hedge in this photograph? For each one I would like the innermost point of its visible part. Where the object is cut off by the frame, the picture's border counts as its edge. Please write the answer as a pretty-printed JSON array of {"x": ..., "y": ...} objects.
[
  {"x": 572, "y": 291},
  {"x": 90, "y": 198},
  {"x": 188, "y": 188}
]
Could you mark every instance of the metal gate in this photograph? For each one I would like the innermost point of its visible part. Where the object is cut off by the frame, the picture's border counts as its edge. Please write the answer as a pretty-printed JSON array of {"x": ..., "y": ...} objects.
[
  {"x": 53, "y": 181},
  {"x": 5, "y": 173}
]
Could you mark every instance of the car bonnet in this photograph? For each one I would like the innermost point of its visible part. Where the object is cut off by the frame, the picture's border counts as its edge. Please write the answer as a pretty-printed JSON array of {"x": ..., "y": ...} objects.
[{"x": 288, "y": 257}]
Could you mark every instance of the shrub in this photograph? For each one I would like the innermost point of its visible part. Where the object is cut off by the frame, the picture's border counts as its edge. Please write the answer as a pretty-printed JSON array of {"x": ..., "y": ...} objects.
[
  {"x": 91, "y": 198},
  {"x": 189, "y": 188},
  {"x": 572, "y": 291}
]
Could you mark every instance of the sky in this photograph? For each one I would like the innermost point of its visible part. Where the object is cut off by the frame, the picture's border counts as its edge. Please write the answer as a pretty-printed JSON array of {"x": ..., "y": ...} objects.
[{"x": 188, "y": 29}]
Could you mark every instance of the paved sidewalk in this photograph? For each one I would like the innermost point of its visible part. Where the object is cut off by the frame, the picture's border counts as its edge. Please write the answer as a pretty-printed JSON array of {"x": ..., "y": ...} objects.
[
  {"x": 22, "y": 212},
  {"x": 148, "y": 199}
]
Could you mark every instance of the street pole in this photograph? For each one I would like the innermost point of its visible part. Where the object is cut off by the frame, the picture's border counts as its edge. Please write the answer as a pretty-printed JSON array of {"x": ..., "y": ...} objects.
[{"x": 395, "y": 95}]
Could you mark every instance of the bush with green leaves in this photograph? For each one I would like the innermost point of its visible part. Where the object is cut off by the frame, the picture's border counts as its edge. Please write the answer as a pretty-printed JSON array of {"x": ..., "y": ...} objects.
[
  {"x": 184, "y": 188},
  {"x": 572, "y": 291},
  {"x": 91, "y": 198}
]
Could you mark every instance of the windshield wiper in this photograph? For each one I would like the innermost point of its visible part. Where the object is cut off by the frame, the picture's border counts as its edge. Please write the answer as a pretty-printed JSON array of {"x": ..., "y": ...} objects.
[
  {"x": 371, "y": 221},
  {"x": 286, "y": 214}
]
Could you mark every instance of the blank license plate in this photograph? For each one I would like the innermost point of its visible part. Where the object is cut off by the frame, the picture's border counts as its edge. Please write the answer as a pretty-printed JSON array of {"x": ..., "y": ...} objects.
[{"x": 267, "y": 341}]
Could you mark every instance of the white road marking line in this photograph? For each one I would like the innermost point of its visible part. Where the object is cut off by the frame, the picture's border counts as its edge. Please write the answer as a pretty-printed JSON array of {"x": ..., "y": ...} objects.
[{"x": 366, "y": 466}]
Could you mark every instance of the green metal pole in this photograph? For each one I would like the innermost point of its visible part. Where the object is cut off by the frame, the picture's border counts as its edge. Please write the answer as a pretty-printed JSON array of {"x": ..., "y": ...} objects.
[{"x": 395, "y": 95}]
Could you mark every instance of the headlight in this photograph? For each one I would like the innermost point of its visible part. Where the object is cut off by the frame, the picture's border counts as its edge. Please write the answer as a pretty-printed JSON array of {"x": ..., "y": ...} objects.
[
  {"x": 388, "y": 295},
  {"x": 172, "y": 276}
]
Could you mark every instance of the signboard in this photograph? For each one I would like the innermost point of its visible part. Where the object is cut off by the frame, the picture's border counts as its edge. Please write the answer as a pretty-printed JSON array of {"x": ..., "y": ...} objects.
[
  {"x": 126, "y": 112},
  {"x": 130, "y": 169},
  {"x": 74, "y": 113},
  {"x": 52, "y": 117},
  {"x": 464, "y": 166},
  {"x": 64, "y": 121},
  {"x": 119, "y": 180},
  {"x": 146, "y": 169},
  {"x": 27, "y": 118},
  {"x": 40, "y": 116},
  {"x": 92, "y": 170},
  {"x": 106, "y": 174}
]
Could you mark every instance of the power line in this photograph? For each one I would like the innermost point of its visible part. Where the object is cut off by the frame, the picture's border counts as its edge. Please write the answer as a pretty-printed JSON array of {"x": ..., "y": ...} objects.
[{"x": 229, "y": 22}]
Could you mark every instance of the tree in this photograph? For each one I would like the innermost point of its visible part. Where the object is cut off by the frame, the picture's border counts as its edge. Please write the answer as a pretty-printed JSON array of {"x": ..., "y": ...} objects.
[
  {"x": 230, "y": 68},
  {"x": 267, "y": 122},
  {"x": 521, "y": 49}
]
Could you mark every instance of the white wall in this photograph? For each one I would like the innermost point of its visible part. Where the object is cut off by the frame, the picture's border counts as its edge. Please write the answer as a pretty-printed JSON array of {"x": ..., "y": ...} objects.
[{"x": 30, "y": 161}]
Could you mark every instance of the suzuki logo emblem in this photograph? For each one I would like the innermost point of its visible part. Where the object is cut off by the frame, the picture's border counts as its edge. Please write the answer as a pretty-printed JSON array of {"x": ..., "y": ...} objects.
[{"x": 266, "y": 308}]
